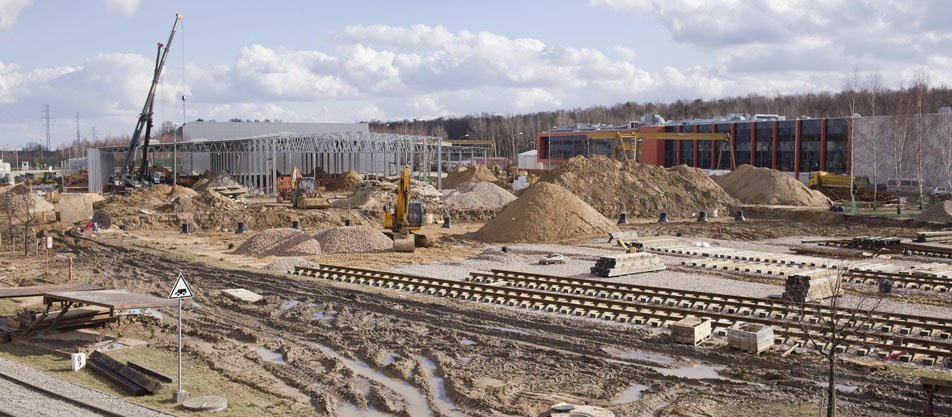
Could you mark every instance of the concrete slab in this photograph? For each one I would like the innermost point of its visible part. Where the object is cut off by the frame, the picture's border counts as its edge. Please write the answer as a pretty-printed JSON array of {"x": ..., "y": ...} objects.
[
  {"x": 75, "y": 207},
  {"x": 205, "y": 403},
  {"x": 241, "y": 294}
]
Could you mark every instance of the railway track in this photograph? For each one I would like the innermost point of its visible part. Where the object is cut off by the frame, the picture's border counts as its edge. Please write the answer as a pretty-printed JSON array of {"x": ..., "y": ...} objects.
[
  {"x": 52, "y": 402},
  {"x": 906, "y": 248},
  {"x": 638, "y": 311}
]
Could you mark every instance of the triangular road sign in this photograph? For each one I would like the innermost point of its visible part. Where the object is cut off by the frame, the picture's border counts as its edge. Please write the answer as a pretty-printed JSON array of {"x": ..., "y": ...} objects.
[{"x": 181, "y": 289}]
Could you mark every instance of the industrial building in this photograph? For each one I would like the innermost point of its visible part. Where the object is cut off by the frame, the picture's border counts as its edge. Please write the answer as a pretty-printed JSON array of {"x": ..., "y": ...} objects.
[
  {"x": 255, "y": 154},
  {"x": 795, "y": 146}
]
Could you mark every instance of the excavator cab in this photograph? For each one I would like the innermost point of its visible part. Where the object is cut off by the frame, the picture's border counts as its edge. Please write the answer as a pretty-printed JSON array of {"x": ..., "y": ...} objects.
[{"x": 404, "y": 217}]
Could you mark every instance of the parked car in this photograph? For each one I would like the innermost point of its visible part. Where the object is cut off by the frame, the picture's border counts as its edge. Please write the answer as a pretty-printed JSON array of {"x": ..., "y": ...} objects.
[{"x": 940, "y": 192}]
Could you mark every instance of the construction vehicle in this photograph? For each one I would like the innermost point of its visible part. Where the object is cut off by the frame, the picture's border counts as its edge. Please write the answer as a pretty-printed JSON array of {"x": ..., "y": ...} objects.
[
  {"x": 128, "y": 179},
  {"x": 628, "y": 246},
  {"x": 406, "y": 217},
  {"x": 837, "y": 186},
  {"x": 301, "y": 191}
]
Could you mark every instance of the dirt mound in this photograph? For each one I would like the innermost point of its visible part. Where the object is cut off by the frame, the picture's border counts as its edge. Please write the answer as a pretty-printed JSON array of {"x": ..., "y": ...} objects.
[
  {"x": 215, "y": 180},
  {"x": 287, "y": 265},
  {"x": 476, "y": 173},
  {"x": 753, "y": 185},
  {"x": 939, "y": 213},
  {"x": 373, "y": 195},
  {"x": 479, "y": 196},
  {"x": 615, "y": 187},
  {"x": 347, "y": 182},
  {"x": 279, "y": 242},
  {"x": 546, "y": 212},
  {"x": 353, "y": 239}
]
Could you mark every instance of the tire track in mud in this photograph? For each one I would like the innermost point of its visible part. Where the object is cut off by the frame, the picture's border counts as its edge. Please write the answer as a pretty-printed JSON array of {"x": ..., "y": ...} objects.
[{"x": 549, "y": 342}]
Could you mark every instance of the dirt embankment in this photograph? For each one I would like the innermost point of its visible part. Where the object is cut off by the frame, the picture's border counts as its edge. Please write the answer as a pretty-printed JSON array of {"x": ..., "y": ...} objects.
[
  {"x": 939, "y": 213},
  {"x": 477, "y": 173},
  {"x": 546, "y": 213},
  {"x": 752, "y": 185},
  {"x": 615, "y": 187}
]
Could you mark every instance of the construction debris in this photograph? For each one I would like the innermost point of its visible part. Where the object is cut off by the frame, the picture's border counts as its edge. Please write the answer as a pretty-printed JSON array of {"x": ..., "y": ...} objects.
[
  {"x": 129, "y": 379},
  {"x": 242, "y": 295},
  {"x": 548, "y": 213},
  {"x": 691, "y": 330},
  {"x": 627, "y": 264},
  {"x": 812, "y": 285},
  {"x": 753, "y": 185},
  {"x": 614, "y": 187},
  {"x": 750, "y": 337}
]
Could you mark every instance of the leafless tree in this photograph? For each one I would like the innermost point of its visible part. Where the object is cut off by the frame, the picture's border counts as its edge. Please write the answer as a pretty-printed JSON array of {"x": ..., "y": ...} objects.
[
  {"x": 945, "y": 151},
  {"x": 873, "y": 87},
  {"x": 900, "y": 139},
  {"x": 919, "y": 88},
  {"x": 830, "y": 328},
  {"x": 852, "y": 89}
]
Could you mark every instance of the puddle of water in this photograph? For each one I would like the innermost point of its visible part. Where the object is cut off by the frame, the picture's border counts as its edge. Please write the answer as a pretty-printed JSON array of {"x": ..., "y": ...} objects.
[
  {"x": 350, "y": 410},
  {"x": 646, "y": 356},
  {"x": 417, "y": 404},
  {"x": 270, "y": 356},
  {"x": 849, "y": 389},
  {"x": 508, "y": 329},
  {"x": 634, "y": 392},
  {"x": 287, "y": 305},
  {"x": 468, "y": 342},
  {"x": 444, "y": 403},
  {"x": 324, "y": 315},
  {"x": 466, "y": 360},
  {"x": 694, "y": 372}
]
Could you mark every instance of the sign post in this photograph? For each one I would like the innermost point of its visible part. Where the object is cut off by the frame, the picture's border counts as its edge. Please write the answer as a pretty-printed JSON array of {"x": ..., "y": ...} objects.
[
  {"x": 49, "y": 245},
  {"x": 180, "y": 291}
]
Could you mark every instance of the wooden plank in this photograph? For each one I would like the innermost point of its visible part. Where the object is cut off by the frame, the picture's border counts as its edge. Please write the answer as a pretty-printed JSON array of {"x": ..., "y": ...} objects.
[
  {"x": 132, "y": 375},
  {"x": 150, "y": 372},
  {"x": 38, "y": 290},
  {"x": 111, "y": 299}
]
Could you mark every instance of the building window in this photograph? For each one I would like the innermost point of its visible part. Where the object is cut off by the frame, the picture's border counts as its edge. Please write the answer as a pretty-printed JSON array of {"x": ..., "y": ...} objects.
[
  {"x": 742, "y": 143},
  {"x": 763, "y": 151},
  {"x": 837, "y": 143},
  {"x": 704, "y": 149},
  {"x": 810, "y": 145},
  {"x": 722, "y": 155},
  {"x": 786, "y": 145},
  {"x": 565, "y": 147}
]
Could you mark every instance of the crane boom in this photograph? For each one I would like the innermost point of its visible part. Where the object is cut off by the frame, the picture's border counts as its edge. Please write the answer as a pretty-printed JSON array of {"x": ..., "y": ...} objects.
[{"x": 145, "y": 118}]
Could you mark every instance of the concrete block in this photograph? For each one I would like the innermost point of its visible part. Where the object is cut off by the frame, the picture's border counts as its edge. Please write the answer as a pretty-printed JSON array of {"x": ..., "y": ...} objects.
[
  {"x": 691, "y": 330},
  {"x": 242, "y": 295},
  {"x": 75, "y": 207},
  {"x": 750, "y": 337}
]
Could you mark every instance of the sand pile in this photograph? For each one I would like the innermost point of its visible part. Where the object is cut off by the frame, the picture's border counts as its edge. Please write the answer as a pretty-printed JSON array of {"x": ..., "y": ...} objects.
[
  {"x": 287, "y": 265},
  {"x": 347, "y": 182},
  {"x": 373, "y": 195},
  {"x": 479, "y": 196},
  {"x": 547, "y": 213},
  {"x": 939, "y": 213},
  {"x": 753, "y": 185},
  {"x": 615, "y": 187},
  {"x": 477, "y": 173},
  {"x": 353, "y": 239},
  {"x": 279, "y": 242}
]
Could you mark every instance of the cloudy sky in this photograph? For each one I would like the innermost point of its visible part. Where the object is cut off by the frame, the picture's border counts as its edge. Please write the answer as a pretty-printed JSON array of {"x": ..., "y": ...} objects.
[{"x": 358, "y": 60}]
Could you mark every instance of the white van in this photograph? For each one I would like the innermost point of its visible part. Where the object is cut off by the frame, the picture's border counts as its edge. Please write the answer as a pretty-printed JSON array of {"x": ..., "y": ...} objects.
[{"x": 907, "y": 185}]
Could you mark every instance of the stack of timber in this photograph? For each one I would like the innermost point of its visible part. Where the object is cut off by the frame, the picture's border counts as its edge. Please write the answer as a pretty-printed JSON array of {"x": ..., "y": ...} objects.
[
  {"x": 130, "y": 378},
  {"x": 627, "y": 264},
  {"x": 812, "y": 285},
  {"x": 232, "y": 191},
  {"x": 76, "y": 318},
  {"x": 940, "y": 236}
]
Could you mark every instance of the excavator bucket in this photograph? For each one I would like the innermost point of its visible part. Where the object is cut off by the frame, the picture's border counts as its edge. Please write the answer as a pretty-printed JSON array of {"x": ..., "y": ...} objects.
[{"x": 403, "y": 243}]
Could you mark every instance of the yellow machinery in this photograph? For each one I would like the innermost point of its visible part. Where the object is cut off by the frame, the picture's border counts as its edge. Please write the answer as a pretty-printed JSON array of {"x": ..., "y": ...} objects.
[
  {"x": 628, "y": 246},
  {"x": 823, "y": 179},
  {"x": 627, "y": 148},
  {"x": 301, "y": 191},
  {"x": 406, "y": 217}
]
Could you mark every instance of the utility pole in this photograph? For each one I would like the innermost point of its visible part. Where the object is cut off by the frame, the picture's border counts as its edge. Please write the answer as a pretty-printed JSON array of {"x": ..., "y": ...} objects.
[{"x": 47, "y": 115}]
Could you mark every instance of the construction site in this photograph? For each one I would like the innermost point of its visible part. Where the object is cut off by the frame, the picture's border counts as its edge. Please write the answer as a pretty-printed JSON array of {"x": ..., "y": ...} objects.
[{"x": 647, "y": 269}]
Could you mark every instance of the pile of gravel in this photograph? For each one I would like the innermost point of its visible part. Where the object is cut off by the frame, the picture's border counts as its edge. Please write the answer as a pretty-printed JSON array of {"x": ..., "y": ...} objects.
[
  {"x": 279, "y": 242},
  {"x": 479, "y": 196},
  {"x": 353, "y": 239},
  {"x": 287, "y": 265}
]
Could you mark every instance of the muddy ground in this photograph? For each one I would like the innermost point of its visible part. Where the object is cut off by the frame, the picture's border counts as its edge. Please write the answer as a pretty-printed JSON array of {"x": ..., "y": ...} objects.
[{"x": 332, "y": 349}]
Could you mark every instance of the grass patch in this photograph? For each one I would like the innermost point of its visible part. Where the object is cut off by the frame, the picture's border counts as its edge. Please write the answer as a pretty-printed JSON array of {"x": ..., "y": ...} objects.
[{"x": 200, "y": 380}]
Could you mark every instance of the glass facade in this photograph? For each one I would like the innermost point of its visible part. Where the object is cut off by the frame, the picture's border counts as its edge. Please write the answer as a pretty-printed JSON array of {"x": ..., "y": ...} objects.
[
  {"x": 837, "y": 145},
  {"x": 565, "y": 147},
  {"x": 742, "y": 138},
  {"x": 810, "y": 145},
  {"x": 687, "y": 147},
  {"x": 763, "y": 144},
  {"x": 704, "y": 150},
  {"x": 722, "y": 155},
  {"x": 786, "y": 145}
]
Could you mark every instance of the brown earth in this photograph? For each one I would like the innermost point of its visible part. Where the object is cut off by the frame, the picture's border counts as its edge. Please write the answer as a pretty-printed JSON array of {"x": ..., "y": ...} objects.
[
  {"x": 476, "y": 173},
  {"x": 939, "y": 213},
  {"x": 752, "y": 185},
  {"x": 615, "y": 187},
  {"x": 346, "y": 182},
  {"x": 546, "y": 213}
]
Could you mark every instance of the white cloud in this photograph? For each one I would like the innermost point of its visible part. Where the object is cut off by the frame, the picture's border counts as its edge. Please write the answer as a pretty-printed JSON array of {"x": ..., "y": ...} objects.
[
  {"x": 9, "y": 10},
  {"x": 124, "y": 7}
]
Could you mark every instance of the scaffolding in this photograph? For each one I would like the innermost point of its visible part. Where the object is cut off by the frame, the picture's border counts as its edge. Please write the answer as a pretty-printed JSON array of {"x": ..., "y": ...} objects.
[{"x": 256, "y": 162}]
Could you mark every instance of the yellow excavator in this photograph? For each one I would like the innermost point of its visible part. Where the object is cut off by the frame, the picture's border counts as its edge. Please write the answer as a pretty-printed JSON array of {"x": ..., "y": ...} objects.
[{"x": 406, "y": 217}]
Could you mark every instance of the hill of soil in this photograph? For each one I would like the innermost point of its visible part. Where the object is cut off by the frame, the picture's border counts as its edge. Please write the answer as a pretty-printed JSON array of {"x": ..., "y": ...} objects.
[
  {"x": 939, "y": 213},
  {"x": 752, "y": 185},
  {"x": 279, "y": 242},
  {"x": 347, "y": 182},
  {"x": 615, "y": 187},
  {"x": 546, "y": 213},
  {"x": 479, "y": 196},
  {"x": 477, "y": 173}
]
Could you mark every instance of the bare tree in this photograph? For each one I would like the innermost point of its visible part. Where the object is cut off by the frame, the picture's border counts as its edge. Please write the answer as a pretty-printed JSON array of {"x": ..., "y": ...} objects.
[
  {"x": 945, "y": 151},
  {"x": 920, "y": 87},
  {"x": 830, "y": 328},
  {"x": 873, "y": 89},
  {"x": 851, "y": 88},
  {"x": 900, "y": 139}
]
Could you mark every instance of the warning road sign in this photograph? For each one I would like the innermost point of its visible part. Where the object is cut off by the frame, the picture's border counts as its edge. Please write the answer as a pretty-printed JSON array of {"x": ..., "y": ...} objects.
[{"x": 181, "y": 289}]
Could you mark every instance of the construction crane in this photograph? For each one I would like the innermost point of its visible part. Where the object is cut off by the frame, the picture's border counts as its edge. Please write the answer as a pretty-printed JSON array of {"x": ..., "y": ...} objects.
[
  {"x": 127, "y": 176},
  {"x": 628, "y": 141}
]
